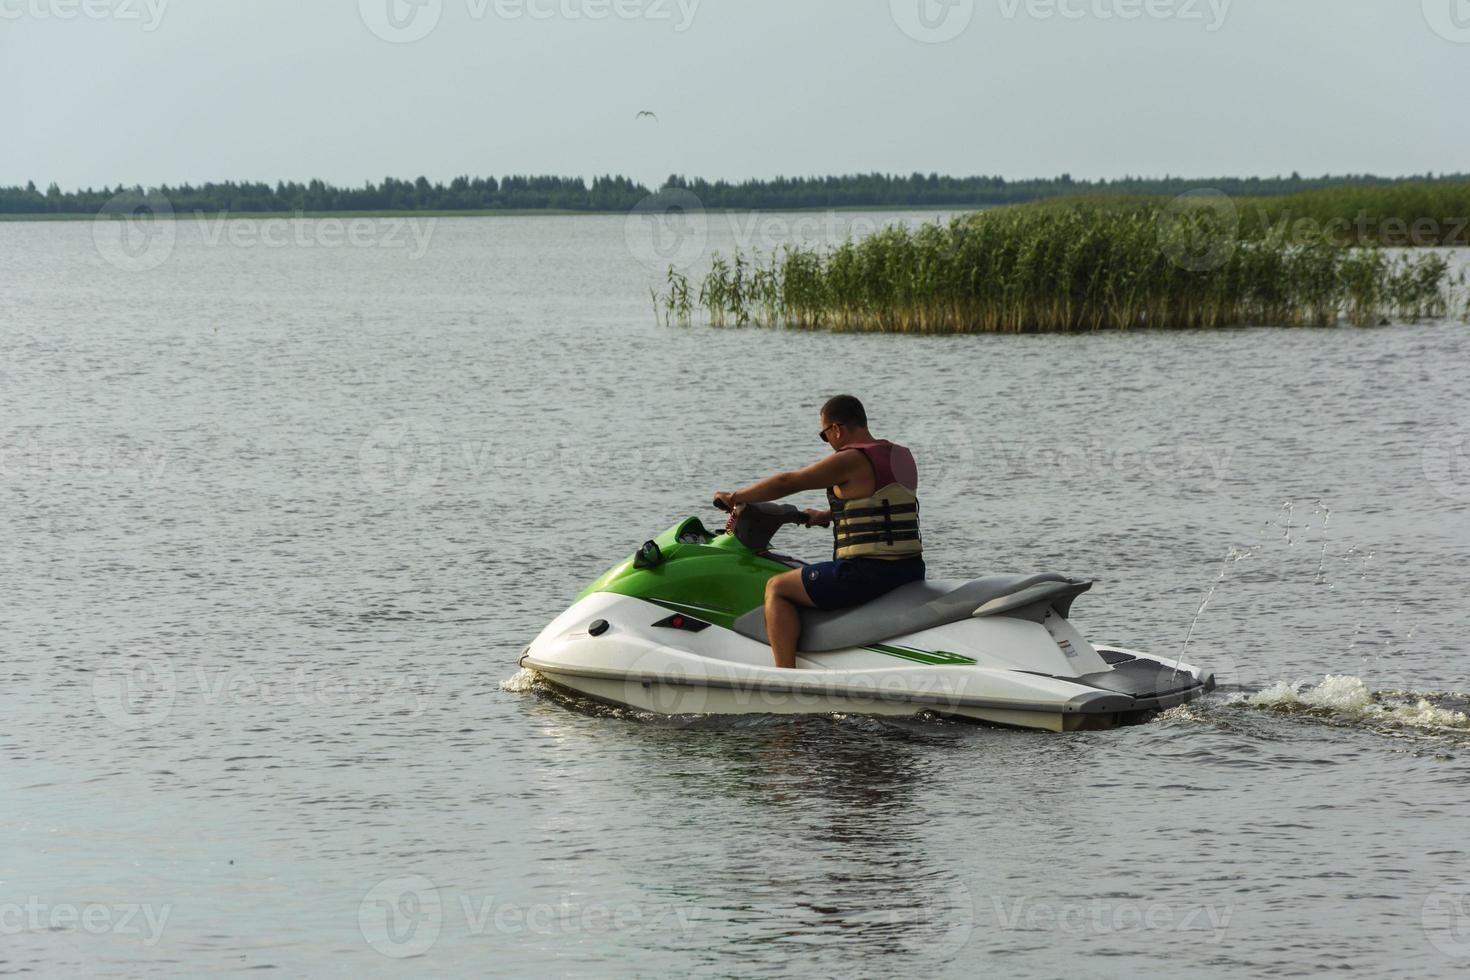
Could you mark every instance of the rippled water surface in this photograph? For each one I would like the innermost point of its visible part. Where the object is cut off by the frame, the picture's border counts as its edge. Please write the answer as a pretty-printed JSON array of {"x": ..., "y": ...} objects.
[{"x": 280, "y": 512}]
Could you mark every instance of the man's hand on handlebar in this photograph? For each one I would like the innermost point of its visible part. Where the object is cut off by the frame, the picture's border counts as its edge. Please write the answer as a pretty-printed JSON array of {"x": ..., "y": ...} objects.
[
  {"x": 725, "y": 501},
  {"x": 818, "y": 518}
]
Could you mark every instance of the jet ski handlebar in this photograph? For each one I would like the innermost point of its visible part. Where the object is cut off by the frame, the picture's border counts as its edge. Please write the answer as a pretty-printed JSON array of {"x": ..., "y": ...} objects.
[{"x": 756, "y": 524}]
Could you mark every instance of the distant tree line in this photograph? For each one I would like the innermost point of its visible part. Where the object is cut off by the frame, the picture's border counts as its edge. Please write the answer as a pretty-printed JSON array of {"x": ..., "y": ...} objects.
[
  {"x": 612, "y": 194},
  {"x": 460, "y": 194}
]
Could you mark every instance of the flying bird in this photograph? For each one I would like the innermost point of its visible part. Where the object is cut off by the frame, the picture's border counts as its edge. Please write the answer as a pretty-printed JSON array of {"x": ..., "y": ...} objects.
[{"x": 645, "y": 114}]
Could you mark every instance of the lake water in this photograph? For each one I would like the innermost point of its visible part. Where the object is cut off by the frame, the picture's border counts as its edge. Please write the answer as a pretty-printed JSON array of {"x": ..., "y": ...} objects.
[{"x": 283, "y": 501}]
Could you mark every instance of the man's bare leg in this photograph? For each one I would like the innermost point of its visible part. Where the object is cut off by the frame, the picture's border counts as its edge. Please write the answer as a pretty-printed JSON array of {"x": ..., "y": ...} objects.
[{"x": 784, "y": 593}]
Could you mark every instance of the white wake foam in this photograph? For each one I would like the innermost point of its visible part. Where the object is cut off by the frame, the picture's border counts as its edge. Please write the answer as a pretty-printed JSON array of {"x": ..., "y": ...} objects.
[
  {"x": 1349, "y": 699},
  {"x": 523, "y": 681}
]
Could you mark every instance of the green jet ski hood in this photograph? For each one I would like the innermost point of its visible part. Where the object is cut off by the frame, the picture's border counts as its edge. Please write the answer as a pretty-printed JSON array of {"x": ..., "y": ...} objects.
[{"x": 713, "y": 577}]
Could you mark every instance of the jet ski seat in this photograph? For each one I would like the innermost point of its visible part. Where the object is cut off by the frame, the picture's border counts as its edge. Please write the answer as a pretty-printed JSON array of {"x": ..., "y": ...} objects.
[{"x": 924, "y": 605}]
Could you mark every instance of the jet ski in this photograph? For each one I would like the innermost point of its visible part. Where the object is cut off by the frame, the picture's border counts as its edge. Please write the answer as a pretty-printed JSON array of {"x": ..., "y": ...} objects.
[{"x": 678, "y": 628}]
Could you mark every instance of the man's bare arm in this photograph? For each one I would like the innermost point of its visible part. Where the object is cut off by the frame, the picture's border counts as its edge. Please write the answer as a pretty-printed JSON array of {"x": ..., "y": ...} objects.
[{"x": 831, "y": 471}]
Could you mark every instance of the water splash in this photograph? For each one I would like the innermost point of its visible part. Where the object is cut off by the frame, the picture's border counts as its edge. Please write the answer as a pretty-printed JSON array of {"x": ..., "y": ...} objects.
[
  {"x": 523, "y": 681},
  {"x": 1362, "y": 559},
  {"x": 1348, "y": 700},
  {"x": 1231, "y": 557},
  {"x": 1326, "y": 513},
  {"x": 528, "y": 681},
  {"x": 1288, "y": 508},
  {"x": 1373, "y": 634}
]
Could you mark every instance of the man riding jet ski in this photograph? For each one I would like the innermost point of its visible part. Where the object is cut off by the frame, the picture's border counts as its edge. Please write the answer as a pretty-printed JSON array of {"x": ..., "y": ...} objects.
[
  {"x": 872, "y": 486},
  {"x": 688, "y": 623}
]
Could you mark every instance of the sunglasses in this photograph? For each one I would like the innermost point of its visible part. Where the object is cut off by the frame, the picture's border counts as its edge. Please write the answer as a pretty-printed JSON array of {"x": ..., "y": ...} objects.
[{"x": 823, "y": 434}]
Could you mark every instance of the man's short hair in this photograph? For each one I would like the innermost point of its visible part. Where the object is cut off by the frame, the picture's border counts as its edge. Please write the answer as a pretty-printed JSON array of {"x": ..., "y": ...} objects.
[{"x": 845, "y": 410}]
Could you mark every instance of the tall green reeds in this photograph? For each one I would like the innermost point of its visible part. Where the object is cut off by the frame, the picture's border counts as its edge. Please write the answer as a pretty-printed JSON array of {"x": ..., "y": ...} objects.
[{"x": 1089, "y": 266}]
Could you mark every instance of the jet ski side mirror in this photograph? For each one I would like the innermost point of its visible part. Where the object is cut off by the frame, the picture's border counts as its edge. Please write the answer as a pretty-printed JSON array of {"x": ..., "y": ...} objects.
[{"x": 648, "y": 556}]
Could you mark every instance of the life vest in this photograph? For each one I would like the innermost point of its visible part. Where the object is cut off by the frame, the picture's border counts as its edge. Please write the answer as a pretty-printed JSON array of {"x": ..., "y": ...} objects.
[{"x": 885, "y": 524}]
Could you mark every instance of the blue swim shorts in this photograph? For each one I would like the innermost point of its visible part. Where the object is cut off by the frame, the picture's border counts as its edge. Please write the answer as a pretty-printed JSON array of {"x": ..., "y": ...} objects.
[{"x": 854, "y": 581}]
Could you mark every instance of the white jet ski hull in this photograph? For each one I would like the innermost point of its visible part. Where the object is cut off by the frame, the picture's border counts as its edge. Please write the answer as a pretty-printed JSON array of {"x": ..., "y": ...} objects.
[{"x": 995, "y": 669}]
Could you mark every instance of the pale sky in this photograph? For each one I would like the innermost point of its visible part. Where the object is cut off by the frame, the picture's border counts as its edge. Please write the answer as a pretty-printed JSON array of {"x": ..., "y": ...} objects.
[{"x": 147, "y": 91}]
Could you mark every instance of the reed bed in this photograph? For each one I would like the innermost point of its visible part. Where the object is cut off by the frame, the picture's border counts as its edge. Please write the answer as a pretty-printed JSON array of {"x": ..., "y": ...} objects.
[{"x": 1088, "y": 266}]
